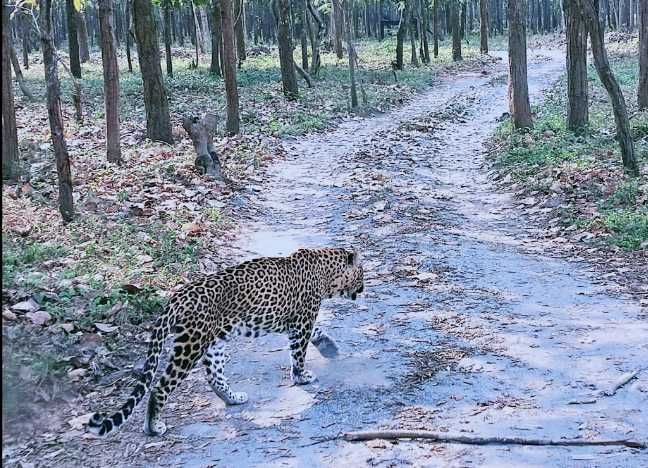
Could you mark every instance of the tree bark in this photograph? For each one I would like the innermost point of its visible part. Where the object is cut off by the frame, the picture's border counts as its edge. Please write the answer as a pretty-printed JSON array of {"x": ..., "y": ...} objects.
[
  {"x": 82, "y": 35},
  {"x": 577, "y": 111},
  {"x": 229, "y": 67},
  {"x": 111, "y": 80},
  {"x": 303, "y": 15},
  {"x": 239, "y": 30},
  {"x": 158, "y": 124},
  {"x": 642, "y": 88},
  {"x": 425, "y": 49},
  {"x": 483, "y": 26},
  {"x": 25, "y": 26},
  {"x": 166, "y": 12},
  {"x": 351, "y": 52},
  {"x": 215, "y": 66},
  {"x": 456, "y": 31},
  {"x": 288, "y": 77},
  {"x": 315, "y": 37},
  {"x": 66, "y": 201},
  {"x": 400, "y": 36},
  {"x": 590, "y": 9},
  {"x": 338, "y": 25},
  {"x": 128, "y": 35},
  {"x": 411, "y": 21},
  {"x": 73, "y": 41},
  {"x": 9, "y": 131},
  {"x": 435, "y": 27},
  {"x": 518, "y": 88}
]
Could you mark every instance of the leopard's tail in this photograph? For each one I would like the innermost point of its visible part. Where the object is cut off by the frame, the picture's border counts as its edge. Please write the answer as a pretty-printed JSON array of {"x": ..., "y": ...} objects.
[{"x": 103, "y": 425}]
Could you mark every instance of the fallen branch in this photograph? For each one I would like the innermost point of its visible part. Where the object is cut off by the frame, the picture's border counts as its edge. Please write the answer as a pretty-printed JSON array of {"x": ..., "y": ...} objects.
[
  {"x": 470, "y": 440},
  {"x": 624, "y": 379},
  {"x": 304, "y": 74}
]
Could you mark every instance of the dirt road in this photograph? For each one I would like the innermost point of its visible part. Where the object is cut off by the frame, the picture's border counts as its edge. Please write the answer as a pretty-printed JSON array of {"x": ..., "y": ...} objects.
[{"x": 467, "y": 326}]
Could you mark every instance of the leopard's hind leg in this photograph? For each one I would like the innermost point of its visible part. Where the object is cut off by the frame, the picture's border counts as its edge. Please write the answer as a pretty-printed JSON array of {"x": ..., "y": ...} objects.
[
  {"x": 214, "y": 360},
  {"x": 324, "y": 343},
  {"x": 183, "y": 358}
]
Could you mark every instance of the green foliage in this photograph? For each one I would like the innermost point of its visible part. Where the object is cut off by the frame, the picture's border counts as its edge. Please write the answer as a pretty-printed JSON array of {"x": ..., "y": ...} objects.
[{"x": 629, "y": 228}]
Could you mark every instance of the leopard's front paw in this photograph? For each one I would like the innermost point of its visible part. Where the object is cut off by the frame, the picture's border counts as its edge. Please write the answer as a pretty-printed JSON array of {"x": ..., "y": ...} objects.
[
  {"x": 327, "y": 347},
  {"x": 303, "y": 377}
]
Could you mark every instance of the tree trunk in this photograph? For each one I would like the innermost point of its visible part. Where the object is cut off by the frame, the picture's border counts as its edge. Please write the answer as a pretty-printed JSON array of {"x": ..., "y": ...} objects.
[
  {"x": 435, "y": 27},
  {"x": 73, "y": 41},
  {"x": 456, "y": 31},
  {"x": 338, "y": 24},
  {"x": 128, "y": 36},
  {"x": 425, "y": 49},
  {"x": 215, "y": 66},
  {"x": 624, "y": 136},
  {"x": 158, "y": 124},
  {"x": 400, "y": 36},
  {"x": 194, "y": 33},
  {"x": 483, "y": 26},
  {"x": 518, "y": 90},
  {"x": 239, "y": 30},
  {"x": 381, "y": 26},
  {"x": 577, "y": 112},
  {"x": 66, "y": 201},
  {"x": 111, "y": 80},
  {"x": 9, "y": 131},
  {"x": 82, "y": 35},
  {"x": 412, "y": 33},
  {"x": 166, "y": 11},
  {"x": 229, "y": 67},
  {"x": 315, "y": 28},
  {"x": 288, "y": 77},
  {"x": 303, "y": 15},
  {"x": 25, "y": 26},
  {"x": 351, "y": 52},
  {"x": 642, "y": 89}
]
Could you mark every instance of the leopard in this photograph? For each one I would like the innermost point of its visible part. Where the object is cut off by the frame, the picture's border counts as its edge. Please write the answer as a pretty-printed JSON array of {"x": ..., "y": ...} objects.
[{"x": 259, "y": 296}]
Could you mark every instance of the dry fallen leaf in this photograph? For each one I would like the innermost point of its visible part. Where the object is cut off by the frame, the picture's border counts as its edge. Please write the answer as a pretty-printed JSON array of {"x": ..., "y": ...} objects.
[
  {"x": 39, "y": 318},
  {"x": 106, "y": 328}
]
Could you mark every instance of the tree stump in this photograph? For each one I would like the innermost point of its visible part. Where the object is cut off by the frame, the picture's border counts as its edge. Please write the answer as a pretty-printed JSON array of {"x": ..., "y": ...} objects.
[{"x": 201, "y": 132}]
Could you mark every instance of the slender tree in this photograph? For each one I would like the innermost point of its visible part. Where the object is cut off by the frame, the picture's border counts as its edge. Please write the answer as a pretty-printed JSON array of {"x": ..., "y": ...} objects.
[
  {"x": 483, "y": 26},
  {"x": 590, "y": 10},
  {"x": 229, "y": 67},
  {"x": 642, "y": 89},
  {"x": 337, "y": 22},
  {"x": 400, "y": 34},
  {"x": 73, "y": 40},
  {"x": 158, "y": 123},
  {"x": 435, "y": 27},
  {"x": 288, "y": 76},
  {"x": 518, "y": 88},
  {"x": 82, "y": 34},
  {"x": 456, "y": 30},
  {"x": 577, "y": 112},
  {"x": 66, "y": 201},
  {"x": 166, "y": 11},
  {"x": 239, "y": 30},
  {"x": 348, "y": 7},
  {"x": 9, "y": 131},
  {"x": 215, "y": 30},
  {"x": 111, "y": 80}
]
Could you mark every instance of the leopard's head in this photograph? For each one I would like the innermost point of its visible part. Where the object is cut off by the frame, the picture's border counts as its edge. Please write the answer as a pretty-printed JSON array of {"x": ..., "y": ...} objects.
[{"x": 350, "y": 281}]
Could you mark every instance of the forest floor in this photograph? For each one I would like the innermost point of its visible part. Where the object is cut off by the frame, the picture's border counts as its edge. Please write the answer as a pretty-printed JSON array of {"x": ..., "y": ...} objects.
[{"x": 470, "y": 322}]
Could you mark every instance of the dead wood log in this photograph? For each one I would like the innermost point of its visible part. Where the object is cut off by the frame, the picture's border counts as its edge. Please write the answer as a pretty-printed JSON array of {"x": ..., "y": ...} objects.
[
  {"x": 201, "y": 132},
  {"x": 472, "y": 440},
  {"x": 304, "y": 74}
]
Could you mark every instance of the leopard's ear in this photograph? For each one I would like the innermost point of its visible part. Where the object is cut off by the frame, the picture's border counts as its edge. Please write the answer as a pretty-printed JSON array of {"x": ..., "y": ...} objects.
[{"x": 353, "y": 258}]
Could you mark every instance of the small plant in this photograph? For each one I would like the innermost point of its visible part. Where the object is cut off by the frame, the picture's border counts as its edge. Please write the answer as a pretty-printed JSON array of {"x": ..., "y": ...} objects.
[
  {"x": 629, "y": 228},
  {"x": 122, "y": 195}
]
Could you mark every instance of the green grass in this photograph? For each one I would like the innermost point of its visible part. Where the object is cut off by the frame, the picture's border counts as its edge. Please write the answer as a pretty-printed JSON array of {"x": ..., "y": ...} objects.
[{"x": 535, "y": 158}]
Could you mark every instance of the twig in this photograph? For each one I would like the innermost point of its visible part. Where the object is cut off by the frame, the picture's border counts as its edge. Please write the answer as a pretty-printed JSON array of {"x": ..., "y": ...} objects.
[
  {"x": 624, "y": 379},
  {"x": 457, "y": 439}
]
